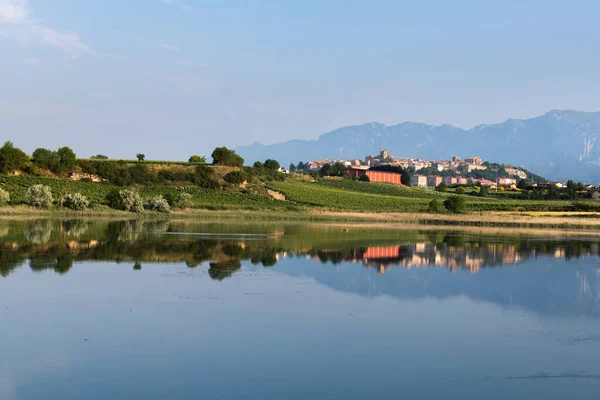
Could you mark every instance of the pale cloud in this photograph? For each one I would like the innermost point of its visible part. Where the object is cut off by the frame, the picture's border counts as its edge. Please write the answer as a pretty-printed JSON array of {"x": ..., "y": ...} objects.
[
  {"x": 185, "y": 7},
  {"x": 13, "y": 11},
  {"x": 190, "y": 64},
  {"x": 17, "y": 23},
  {"x": 170, "y": 47},
  {"x": 30, "y": 61}
]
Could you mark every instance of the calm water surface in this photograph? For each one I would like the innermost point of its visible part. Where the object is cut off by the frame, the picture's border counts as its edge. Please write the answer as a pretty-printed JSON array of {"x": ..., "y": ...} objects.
[{"x": 167, "y": 310}]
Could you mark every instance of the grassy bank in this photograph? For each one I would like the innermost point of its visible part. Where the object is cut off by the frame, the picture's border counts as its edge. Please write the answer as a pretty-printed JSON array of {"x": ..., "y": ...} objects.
[{"x": 531, "y": 220}]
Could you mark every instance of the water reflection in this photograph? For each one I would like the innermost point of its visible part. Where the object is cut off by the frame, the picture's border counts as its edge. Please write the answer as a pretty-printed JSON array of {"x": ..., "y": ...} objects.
[{"x": 48, "y": 245}]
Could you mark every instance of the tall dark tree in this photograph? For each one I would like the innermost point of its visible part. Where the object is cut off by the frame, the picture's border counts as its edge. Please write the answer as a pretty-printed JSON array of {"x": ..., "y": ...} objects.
[
  {"x": 272, "y": 164},
  {"x": 67, "y": 156},
  {"x": 11, "y": 158},
  {"x": 224, "y": 156}
]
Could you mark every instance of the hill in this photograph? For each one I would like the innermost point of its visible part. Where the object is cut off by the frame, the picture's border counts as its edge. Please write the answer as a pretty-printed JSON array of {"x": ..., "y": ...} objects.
[{"x": 559, "y": 145}]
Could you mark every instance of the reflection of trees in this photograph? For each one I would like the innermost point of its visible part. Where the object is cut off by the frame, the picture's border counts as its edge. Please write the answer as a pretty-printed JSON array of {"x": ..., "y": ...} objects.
[
  {"x": 137, "y": 266},
  {"x": 60, "y": 263},
  {"x": 127, "y": 241},
  {"x": 38, "y": 232},
  {"x": 75, "y": 227},
  {"x": 222, "y": 270}
]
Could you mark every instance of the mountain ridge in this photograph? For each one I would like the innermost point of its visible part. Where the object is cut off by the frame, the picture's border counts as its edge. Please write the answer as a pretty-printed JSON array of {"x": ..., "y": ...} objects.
[{"x": 560, "y": 144}]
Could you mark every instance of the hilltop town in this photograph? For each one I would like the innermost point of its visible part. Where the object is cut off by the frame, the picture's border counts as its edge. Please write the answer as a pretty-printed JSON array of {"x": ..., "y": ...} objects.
[{"x": 431, "y": 173}]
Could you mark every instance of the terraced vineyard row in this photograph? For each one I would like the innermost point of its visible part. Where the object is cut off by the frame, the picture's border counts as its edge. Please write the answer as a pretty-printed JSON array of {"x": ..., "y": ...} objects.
[
  {"x": 96, "y": 193},
  {"x": 342, "y": 195}
]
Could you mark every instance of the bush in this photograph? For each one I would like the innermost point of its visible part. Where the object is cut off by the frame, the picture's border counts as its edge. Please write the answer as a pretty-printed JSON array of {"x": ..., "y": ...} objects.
[
  {"x": 235, "y": 177},
  {"x": 460, "y": 191},
  {"x": 140, "y": 156},
  {"x": 113, "y": 199},
  {"x": 39, "y": 196},
  {"x": 76, "y": 201},
  {"x": 159, "y": 204},
  {"x": 185, "y": 200},
  {"x": 4, "y": 197},
  {"x": 197, "y": 159},
  {"x": 131, "y": 200},
  {"x": 435, "y": 207},
  {"x": 455, "y": 204},
  {"x": 364, "y": 178},
  {"x": 442, "y": 187}
]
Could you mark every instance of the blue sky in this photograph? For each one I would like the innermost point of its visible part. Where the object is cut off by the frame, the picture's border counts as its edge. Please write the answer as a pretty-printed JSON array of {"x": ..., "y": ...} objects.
[{"x": 171, "y": 78}]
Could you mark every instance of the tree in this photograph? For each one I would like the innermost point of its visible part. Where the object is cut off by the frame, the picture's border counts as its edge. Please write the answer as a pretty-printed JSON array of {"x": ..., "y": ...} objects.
[
  {"x": 197, "y": 159},
  {"x": 484, "y": 191},
  {"x": 301, "y": 166},
  {"x": 235, "y": 177},
  {"x": 11, "y": 158},
  {"x": 455, "y": 204},
  {"x": 442, "y": 187},
  {"x": 364, "y": 178},
  {"x": 460, "y": 191},
  {"x": 258, "y": 164},
  {"x": 292, "y": 167},
  {"x": 435, "y": 207},
  {"x": 405, "y": 178},
  {"x": 99, "y": 157},
  {"x": 68, "y": 159},
  {"x": 570, "y": 184},
  {"x": 224, "y": 156},
  {"x": 47, "y": 159},
  {"x": 141, "y": 157},
  {"x": 272, "y": 164},
  {"x": 325, "y": 170},
  {"x": 522, "y": 184}
]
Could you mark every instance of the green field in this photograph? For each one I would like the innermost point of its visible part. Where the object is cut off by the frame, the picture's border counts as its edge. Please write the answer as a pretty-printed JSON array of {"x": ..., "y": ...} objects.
[
  {"x": 337, "y": 195},
  {"x": 375, "y": 197},
  {"x": 96, "y": 192}
]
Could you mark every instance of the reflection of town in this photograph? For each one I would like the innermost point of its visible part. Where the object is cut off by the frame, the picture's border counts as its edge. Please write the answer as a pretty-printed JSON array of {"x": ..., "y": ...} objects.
[
  {"x": 467, "y": 257},
  {"x": 46, "y": 244}
]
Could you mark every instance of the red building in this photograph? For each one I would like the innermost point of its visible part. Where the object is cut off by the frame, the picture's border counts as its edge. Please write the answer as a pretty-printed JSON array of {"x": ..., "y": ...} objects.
[{"x": 377, "y": 176}]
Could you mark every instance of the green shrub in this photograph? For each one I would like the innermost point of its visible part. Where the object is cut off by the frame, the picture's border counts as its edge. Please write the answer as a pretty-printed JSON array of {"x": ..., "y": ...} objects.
[
  {"x": 76, "y": 201},
  {"x": 131, "y": 200},
  {"x": 4, "y": 197},
  {"x": 39, "y": 196},
  {"x": 455, "y": 204},
  {"x": 235, "y": 177},
  {"x": 442, "y": 187},
  {"x": 113, "y": 199},
  {"x": 197, "y": 159},
  {"x": 460, "y": 191},
  {"x": 185, "y": 200},
  {"x": 364, "y": 178},
  {"x": 435, "y": 207},
  {"x": 159, "y": 204}
]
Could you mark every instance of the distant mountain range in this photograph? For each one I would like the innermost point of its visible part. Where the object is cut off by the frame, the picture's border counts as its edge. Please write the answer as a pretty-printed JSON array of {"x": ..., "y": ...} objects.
[{"x": 559, "y": 145}]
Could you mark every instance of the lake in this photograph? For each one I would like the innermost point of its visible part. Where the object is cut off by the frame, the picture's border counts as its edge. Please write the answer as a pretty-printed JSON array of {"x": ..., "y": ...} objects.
[{"x": 237, "y": 310}]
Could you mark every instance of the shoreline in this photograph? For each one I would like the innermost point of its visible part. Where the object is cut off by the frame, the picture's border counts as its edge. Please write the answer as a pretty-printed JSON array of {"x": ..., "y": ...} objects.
[{"x": 491, "y": 219}]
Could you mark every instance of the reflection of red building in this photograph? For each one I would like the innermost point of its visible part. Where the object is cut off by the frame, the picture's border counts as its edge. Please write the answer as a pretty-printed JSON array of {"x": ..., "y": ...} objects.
[
  {"x": 381, "y": 252},
  {"x": 377, "y": 176}
]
